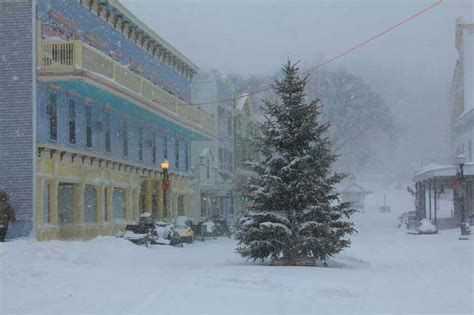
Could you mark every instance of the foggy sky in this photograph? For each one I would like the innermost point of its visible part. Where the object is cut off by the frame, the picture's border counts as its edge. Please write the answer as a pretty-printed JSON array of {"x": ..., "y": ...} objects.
[{"x": 411, "y": 67}]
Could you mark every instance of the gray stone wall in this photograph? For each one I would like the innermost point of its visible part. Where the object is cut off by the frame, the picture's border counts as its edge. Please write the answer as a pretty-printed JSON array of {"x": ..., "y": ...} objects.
[{"x": 16, "y": 110}]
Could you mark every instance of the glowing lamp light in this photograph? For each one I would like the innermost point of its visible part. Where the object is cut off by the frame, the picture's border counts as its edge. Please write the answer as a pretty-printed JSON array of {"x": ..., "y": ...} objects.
[{"x": 165, "y": 164}]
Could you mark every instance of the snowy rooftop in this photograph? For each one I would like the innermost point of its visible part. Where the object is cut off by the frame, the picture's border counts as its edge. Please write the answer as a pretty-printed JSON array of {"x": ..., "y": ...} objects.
[
  {"x": 437, "y": 170},
  {"x": 241, "y": 101}
]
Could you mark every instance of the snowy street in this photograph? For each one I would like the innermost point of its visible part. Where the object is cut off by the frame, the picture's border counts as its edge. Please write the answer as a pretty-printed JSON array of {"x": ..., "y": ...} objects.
[
  {"x": 235, "y": 157},
  {"x": 385, "y": 271}
]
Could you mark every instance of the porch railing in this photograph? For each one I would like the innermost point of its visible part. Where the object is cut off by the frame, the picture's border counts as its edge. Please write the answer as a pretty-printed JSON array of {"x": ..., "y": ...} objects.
[{"x": 64, "y": 55}]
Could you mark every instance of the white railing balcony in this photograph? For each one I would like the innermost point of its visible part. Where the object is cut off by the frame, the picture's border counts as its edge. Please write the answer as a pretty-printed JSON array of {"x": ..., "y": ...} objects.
[{"x": 71, "y": 55}]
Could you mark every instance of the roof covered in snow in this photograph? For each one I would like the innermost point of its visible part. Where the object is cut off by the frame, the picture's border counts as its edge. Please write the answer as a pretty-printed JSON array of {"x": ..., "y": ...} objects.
[
  {"x": 435, "y": 170},
  {"x": 241, "y": 101}
]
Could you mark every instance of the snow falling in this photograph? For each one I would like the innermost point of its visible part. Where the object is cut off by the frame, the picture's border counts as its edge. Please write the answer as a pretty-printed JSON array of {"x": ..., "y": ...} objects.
[{"x": 236, "y": 157}]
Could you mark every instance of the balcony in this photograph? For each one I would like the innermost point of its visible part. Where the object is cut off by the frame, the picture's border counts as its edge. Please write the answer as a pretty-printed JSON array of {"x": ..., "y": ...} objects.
[{"x": 74, "y": 55}]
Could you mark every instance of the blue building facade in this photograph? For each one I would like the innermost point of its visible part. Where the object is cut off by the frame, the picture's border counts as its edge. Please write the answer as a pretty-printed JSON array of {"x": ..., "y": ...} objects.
[
  {"x": 107, "y": 105},
  {"x": 71, "y": 19},
  {"x": 67, "y": 119}
]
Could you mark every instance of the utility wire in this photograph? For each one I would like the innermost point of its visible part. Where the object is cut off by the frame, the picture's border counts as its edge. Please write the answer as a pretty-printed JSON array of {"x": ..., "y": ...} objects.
[{"x": 348, "y": 51}]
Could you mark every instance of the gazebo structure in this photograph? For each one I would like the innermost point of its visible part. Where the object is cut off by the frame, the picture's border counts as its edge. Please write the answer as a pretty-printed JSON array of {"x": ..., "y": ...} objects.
[{"x": 354, "y": 193}]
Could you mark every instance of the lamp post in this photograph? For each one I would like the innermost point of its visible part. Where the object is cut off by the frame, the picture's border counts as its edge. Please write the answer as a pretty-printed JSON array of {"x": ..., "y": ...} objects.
[
  {"x": 461, "y": 159},
  {"x": 165, "y": 184}
]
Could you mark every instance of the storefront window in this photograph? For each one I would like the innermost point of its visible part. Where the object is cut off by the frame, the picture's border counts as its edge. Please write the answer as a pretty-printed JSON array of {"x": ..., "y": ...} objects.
[{"x": 66, "y": 203}]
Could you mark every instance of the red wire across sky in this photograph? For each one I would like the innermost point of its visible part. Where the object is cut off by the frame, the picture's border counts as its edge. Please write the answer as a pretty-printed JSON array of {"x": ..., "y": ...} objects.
[{"x": 342, "y": 54}]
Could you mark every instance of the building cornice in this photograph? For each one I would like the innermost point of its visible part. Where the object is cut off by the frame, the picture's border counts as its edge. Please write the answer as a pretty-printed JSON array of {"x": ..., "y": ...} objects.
[{"x": 152, "y": 34}]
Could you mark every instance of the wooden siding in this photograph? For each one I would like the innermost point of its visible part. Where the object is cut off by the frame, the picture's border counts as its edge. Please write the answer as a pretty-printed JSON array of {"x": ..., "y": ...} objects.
[{"x": 16, "y": 110}]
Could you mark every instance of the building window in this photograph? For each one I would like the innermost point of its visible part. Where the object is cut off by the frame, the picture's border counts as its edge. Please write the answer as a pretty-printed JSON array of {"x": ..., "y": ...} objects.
[
  {"x": 220, "y": 158},
  {"x": 229, "y": 123},
  {"x": 181, "y": 205},
  {"x": 140, "y": 143},
  {"x": 176, "y": 154},
  {"x": 153, "y": 147},
  {"x": 46, "y": 204},
  {"x": 119, "y": 203},
  {"x": 90, "y": 204},
  {"x": 125, "y": 137},
  {"x": 226, "y": 160},
  {"x": 107, "y": 132},
  {"x": 72, "y": 122},
  {"x": 186, "y": 157},
  {"x": 208, "y": 169},
  {"x": 66, "y": 203},
  {"x": 165, "y": 147},
  {"x": 52, "y": 110},
  {"x": 105, "y": 205},
  {"x": 204, "y": 205},
  {"x": 231, "y": 210},
  {"x": 221, "y": 113},
  {"x": 88, "y": 126}
]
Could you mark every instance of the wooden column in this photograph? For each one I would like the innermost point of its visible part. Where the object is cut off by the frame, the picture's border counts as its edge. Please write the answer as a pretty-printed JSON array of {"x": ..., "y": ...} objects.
[
  {"x": 429, "y": 197},
  {"x": 99, "y": 204},
  {"x": 171, "y": 205},
  {"x": 435, "y": 202},
  {"x": 39, "y": 203},
  {"x": 149, "y": 195},
  {"x": 160, "y": 201},
  {"x": 136, "y": 203},
  {"x": 110, "y": 206},
  {"x": 188, "y": 204},
  {"x": 53, "y": 202}
]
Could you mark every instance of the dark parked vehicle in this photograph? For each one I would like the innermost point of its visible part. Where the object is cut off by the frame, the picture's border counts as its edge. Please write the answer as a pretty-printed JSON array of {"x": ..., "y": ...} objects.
[
  {"x": 148, "y": 232},
  {"x": 213, "y": 227}
]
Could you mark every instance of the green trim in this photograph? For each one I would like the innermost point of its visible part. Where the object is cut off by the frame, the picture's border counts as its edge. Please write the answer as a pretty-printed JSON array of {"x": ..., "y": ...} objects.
[{"x": 126, "y": 107}]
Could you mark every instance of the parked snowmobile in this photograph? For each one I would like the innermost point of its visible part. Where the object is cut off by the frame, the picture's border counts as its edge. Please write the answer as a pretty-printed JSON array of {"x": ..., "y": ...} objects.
[{"x": 147, "y": 232}]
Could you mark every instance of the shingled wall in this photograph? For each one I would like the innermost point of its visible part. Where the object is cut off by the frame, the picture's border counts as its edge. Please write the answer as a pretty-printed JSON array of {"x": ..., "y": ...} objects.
[{"x": 16, "y": 110}]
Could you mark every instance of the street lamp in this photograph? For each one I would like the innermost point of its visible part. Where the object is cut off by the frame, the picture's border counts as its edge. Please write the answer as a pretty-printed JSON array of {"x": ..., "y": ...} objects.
[
  {"x": 461, "y": 160},
  {"x": 165, "y": 184}
]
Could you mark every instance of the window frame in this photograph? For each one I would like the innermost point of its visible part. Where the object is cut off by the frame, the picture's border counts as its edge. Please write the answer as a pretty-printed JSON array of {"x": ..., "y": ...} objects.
[
  {"x": 72, "y": 136},
  {"x": 52, "y": 112},
  {"x": 176, "y": 154},
  {"x": 107, "y": 133},
  {"x": 88, "y": 123},
  {"x": 124, "y": 134},
  {"x": 140, "y": 143}
]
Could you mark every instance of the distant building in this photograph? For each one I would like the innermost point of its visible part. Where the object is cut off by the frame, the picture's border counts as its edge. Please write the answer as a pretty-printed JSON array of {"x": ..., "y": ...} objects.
[
  {"x": 213, "y": 159},
  {"x": 436, "y": 186},
  {"x": 94, "y": 100},
  {"x": 354, "y": 193},
  {"x": 245, "y": 131}
]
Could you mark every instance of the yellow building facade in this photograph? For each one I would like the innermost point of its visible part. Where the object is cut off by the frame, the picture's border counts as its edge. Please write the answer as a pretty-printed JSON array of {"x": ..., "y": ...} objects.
[{"x": 106, "y": 119}]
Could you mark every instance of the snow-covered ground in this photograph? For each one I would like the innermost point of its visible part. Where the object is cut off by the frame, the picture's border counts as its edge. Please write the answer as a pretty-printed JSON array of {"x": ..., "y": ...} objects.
[{"x": 385, "y": 271}]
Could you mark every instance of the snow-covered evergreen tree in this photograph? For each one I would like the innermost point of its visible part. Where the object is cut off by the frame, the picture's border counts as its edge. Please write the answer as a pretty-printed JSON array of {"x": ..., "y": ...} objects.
[{"x": 295, "y": 211}]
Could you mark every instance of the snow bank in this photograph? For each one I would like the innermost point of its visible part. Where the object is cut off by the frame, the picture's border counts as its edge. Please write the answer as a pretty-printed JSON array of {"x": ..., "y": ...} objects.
[
  {"x": 110, "y": 275},
  {"x": 427, "y": 227}
]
